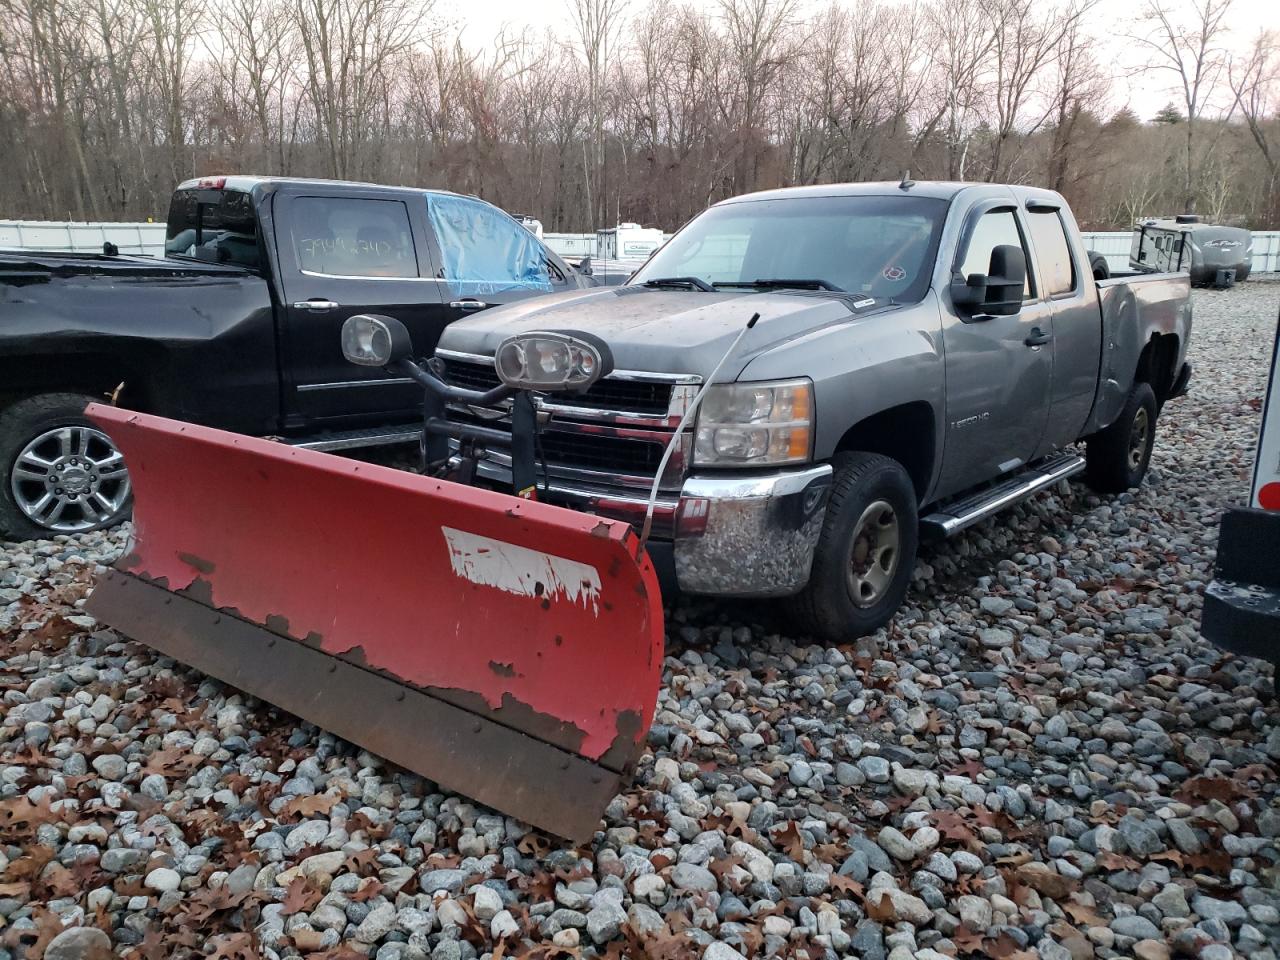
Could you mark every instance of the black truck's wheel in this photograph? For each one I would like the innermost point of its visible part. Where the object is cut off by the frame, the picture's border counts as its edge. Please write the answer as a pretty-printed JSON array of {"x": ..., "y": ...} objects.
[
  {"x": 61, "y": 473},
  {"x": 866, "y": 552},
  {"x": 1117, "y": 458}
]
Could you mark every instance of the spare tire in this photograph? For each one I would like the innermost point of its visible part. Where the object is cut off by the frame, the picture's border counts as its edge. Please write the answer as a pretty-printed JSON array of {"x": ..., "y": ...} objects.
[{"x": 1098, "y": 264}]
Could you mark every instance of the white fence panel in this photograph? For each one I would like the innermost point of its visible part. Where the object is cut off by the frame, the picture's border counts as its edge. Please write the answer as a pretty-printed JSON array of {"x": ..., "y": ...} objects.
[
  {"x": 67, "y": 237},
  {"x": 148, "y": 238},
  {"x": 571, "y": 244},
  {"x": 577, "y": 244},
  {"x": 1266, "y": 251},
  {"x": 1114, "y": 245}
]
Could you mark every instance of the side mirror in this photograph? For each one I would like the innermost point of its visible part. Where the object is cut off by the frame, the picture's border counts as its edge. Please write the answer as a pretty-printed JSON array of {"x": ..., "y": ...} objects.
[
  {"x": 998, "y": 292},
  {"x": 372, "y": 340}
]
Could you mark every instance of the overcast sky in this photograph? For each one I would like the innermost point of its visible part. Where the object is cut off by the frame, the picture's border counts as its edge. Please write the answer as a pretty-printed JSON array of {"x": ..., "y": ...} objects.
[{"x": 1144, "y": 92}]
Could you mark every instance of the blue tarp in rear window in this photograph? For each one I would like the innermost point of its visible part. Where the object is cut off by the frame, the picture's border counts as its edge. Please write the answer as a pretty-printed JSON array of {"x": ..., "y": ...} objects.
[{"x": 485, "y": 250}]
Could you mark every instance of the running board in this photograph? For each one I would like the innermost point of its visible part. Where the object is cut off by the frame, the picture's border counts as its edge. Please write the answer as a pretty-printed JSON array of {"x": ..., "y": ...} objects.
[
  {"x": 355, "y": 439},
  {"x": 950, "y": 518}
]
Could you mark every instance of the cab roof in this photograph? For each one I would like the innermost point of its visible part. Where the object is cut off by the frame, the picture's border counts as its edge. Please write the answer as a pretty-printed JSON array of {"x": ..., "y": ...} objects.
[
  {"x": 249, "y": 183},
  {"x": 936, "y": 189}
]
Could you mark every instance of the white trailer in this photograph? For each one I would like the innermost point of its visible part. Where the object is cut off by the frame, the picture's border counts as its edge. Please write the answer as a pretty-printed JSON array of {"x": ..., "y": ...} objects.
[{"x": 627, "y": 241}]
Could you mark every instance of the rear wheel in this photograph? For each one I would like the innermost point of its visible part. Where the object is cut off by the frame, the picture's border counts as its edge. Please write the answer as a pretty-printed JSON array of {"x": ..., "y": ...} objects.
[
  {"x": 865, "y": 555},
  {"x": 1117, "y": 457},
  {"x": 62, "y": 474}
]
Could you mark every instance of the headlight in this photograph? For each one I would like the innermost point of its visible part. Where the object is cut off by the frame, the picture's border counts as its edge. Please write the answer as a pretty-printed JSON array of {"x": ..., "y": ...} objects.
[
  {"x": 747, "y": 424},
  {"x": 550, "y": 361}
]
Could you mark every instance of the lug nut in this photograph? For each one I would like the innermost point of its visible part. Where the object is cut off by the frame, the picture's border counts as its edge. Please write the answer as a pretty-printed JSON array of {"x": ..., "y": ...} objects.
[{"x": 58, "y": 491}]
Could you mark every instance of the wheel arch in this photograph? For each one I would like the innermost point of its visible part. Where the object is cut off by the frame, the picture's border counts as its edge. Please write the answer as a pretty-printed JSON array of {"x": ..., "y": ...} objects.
[
  {"x": 1158, "y": 364},
  {"x": 101, "y": 376},
  {"x": 906, "y": 433}
]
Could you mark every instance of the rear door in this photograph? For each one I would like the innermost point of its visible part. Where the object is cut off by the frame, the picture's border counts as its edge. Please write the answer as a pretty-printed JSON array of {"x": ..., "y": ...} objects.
[
  {"x": 486, "y": 258},
  {"x": 1067, "y": 287},
  {"x": 342, "y": 253},
  {"x": 998, "y": 369}
]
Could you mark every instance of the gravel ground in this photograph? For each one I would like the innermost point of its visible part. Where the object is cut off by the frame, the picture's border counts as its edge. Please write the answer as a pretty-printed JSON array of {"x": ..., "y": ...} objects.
[{"x": 1040, "y": 758}]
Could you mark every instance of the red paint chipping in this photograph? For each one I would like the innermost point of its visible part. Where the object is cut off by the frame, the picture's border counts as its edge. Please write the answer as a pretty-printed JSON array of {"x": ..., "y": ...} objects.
[{"x": 359, "y": 560}]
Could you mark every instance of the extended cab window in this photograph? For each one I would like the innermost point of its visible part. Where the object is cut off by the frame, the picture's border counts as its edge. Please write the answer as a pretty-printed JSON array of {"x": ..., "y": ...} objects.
[
  {"x": 1052, "y": 252},
  {"x": 218, "y": 226},
  {"x": 484, "y": 250},
  {"x": 341, "y": 237},
  {"x": 994, "y": 229}
]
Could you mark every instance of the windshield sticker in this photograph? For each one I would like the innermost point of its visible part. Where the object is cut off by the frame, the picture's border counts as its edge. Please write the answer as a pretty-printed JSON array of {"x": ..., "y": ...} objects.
[
  {"x": 858, "y": 304},
  {"x": 894, "y": 272}
]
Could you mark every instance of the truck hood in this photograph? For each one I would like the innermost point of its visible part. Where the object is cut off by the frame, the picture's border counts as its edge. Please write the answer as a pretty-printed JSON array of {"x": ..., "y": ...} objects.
[{"x": 660, "y": 331}]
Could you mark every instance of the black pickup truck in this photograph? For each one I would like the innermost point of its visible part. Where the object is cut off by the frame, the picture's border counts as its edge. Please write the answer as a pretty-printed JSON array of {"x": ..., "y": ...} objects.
[{"x": 236, "y": 326}]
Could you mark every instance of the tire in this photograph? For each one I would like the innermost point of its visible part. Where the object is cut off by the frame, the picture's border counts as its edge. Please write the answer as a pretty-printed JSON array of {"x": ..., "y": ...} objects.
[
  {"x": 868, "y": 491},
  {"x": 1116, "y": 458},
  {"x": 1098, "y": 264},
  {"x": 51, "y": 429}
]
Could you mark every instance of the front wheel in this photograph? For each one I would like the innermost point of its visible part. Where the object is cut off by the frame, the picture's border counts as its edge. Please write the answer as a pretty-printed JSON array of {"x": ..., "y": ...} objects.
[
  {"x": 865, "y": 555},
  {"x": 1116, "y": 458},
  {"x": 61, "y": 473}
]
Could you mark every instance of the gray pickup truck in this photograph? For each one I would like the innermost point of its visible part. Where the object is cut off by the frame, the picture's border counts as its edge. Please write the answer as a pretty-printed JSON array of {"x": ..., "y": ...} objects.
[{"x": 925, "y": 354}]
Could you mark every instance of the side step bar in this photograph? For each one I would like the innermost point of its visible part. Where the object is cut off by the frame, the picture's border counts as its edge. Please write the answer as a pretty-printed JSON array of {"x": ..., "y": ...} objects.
[
  {"x": 354, "y": 439},
  {"x": 952, "y": 517}
]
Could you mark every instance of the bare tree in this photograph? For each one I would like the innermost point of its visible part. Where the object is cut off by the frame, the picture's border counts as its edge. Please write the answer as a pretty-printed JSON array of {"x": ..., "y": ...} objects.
[
  {"x": 598, "y": 24},
  {"x": 1028, "y": 39},
  {"x": 1191, "y": 49},
  {"x": 1079, "y": 91},
  {"x": 105, "y": 103},
  {"x": 1255, "y": 85}
]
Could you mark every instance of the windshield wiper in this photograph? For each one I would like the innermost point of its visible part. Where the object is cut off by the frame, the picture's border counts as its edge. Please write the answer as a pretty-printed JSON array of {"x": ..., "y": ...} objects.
[
  {"x": 777, "y": 284},
  {"x": 693, "y": 283}
]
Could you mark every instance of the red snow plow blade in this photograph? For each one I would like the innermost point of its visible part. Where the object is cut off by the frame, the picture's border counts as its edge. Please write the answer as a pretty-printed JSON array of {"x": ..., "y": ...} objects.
[{"x": 509, "y": 650}]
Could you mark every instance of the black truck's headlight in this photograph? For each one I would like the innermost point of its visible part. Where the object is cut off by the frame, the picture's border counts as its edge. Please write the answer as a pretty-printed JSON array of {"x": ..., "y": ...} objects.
[
  {"x": 550, "y": 361},
  {"x": 374, "y": 341},
  {"x": 748, "y": 424}
]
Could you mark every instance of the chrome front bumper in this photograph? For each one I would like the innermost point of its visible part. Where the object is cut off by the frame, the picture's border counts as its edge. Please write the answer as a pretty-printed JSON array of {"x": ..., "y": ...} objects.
[
  {"x": 741, "y": 534},
  {"x": 750, "y": 535}
]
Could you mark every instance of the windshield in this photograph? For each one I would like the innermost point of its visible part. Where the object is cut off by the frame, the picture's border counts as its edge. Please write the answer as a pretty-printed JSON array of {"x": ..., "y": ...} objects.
[{"x": 879, "y": 247}]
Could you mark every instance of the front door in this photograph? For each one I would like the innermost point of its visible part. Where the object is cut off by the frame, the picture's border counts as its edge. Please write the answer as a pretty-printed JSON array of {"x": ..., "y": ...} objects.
[
  {"x": 339, "y": 256},
  {"x": 998, "y": 369}
]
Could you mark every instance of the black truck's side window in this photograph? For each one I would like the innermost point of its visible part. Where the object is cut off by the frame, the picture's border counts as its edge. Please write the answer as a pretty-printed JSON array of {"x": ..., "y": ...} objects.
[
  {"x": 485, "y": 250},
  {"x": 1052, "y": 252},
  {"x": 353, "y": 238},
  {"x": 994, "y": 229}
]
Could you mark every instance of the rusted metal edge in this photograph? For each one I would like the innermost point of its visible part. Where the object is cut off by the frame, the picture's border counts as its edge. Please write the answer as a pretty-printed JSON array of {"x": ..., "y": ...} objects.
[
  {"x": 620, "y": 758},
  {"x": 550, "y": 788}
]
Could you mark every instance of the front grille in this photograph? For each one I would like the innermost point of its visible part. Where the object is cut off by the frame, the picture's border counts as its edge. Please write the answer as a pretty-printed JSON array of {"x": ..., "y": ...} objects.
[
  {"x": 623, "y": 395},
  {"x": 594, "y": 452},
  {"x": 588, "y": 451}
]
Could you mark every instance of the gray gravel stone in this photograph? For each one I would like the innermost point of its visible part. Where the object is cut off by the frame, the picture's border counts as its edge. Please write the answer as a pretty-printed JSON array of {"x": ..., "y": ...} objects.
[{"x": 79, "y": 943}]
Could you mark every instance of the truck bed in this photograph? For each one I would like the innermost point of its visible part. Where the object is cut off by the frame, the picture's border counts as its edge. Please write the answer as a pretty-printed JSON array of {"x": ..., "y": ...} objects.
[
  {"x": 1134, "y": 309},
  {"x": 35, "y": 266}
]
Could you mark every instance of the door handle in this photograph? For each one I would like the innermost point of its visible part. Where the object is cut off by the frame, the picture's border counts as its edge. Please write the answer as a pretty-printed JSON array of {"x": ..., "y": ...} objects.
[
  {"x": 1037, "y": 338},
  {"x": 318, "y": 306},
  {"x": 468, "y": 304}
]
